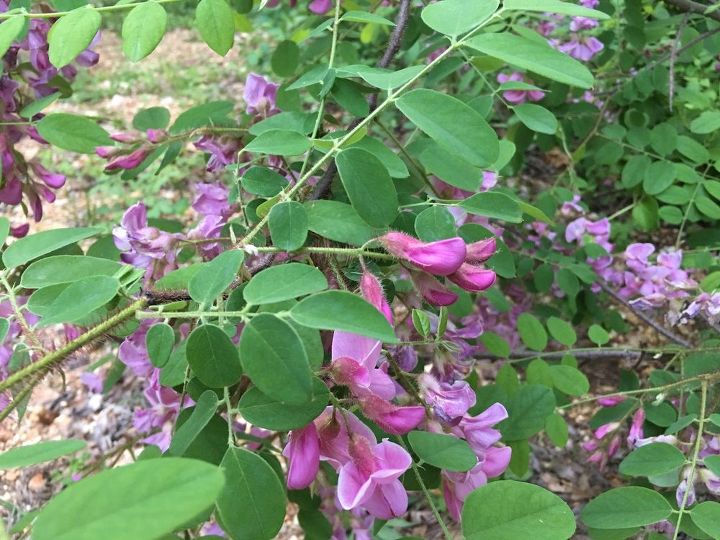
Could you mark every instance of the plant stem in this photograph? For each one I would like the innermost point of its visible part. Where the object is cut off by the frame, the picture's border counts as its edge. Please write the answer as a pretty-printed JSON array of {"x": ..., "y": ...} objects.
[
  {"x": 58, "y": 14},
  {"x": 49, "y": 360},
  {"x": 426, "y": 492},
  {"x": 19, "y": 315},
  {"x": 339, "y": 143},
  {"x": 696, "y": 453}
]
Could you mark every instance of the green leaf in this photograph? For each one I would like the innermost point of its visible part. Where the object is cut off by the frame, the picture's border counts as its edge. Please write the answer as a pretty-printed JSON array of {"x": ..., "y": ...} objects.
[
  {"x": 652, "y": 459},
  {"x": 213, "y": 357},
  {"x": 263, "y": 411},
  {"x": 622, "y": 507},
  {"x": 707, "y": 122},
  {"x": 658, "y": 177},
  {"x": 159, "y": 341},
  {"x": 533, "y": 56},
  {"x": 706, "y": 516},
  {"x": 66, "y": 269},
  {"x": 455, "y": 126},
  {"x": 78, "y": 299},
  {"x": 537, "y": 118},
  {"x": 707, "y": 206},
  {"x": 10, "y": 30},
  {"x": 285, "y": 59},
  {"x": 215, "y": 21},
  {"x": 4, "y": 327},
  {"x": 288, "y": 223},
  {"x": 493, "y": 204},
  {"x": 115, "y": 504},
  {"x": 207, "y": 114},
  {"x": 443, "y": 451},
  {"x": 435, "y": 223},
  {"x": 553, "y": 6},
  {"x": 252, "y": 504},
  {"x": 365, "y": 17},
  {"x": 455, "y": 17},
  {"x": 598, "y": 335},
  {"x": 532, "y": 332},
  {"x": 151, "y": 118},
  {"x": 279, "y": 142},
  {"x": 712, "y": 463},
  {"x": 394, "y": 165},
  {"x": 341, "y": 310},
  {"x": 143, "y": 29},
  {"x": 509, "y": 510},
  {"x": 32, "y": 454},
  {"x": 284, "y": 282},
  {"x": 73, "y": 132},
  {"x": 562, "y": 331},
  {"x": 72, "y": 34},
  {"x": 274, "y": 358},
  {"x": 557, "y": 429},
  {"x": 339, "y": 222},
  {"x": 384, "y": 79},
  {"x": 569, "y": 380},
  {"x": 264, "y": 182},
  {"x": 215, "y": 276},
  {"x": 4, "y": 229},
  {"x": 202, "y": 413},
  {"x": 368, "y": 185},
  {"x": 527, "y": 409}
]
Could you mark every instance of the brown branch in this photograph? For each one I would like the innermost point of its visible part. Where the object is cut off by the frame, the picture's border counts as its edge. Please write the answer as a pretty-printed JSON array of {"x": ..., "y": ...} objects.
[
  {"x": 659, "y": 328},
  {"x": 401, "y": 23},
  {"x": 688, "y": 6}
]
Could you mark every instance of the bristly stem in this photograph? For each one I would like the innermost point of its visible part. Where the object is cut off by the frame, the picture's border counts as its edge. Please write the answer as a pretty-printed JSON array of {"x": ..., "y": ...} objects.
[
  {"x": 58, "y": 14},
  {"x": 55, "y": 357},
  {"x": 19, "y": 315}
]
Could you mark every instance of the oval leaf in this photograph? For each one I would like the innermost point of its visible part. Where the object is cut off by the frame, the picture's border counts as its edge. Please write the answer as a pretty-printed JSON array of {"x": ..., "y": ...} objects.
[
  {"x": 115, "y": 504},
  {"x": 32, "y": 454},
  {"x": 284, "y": 282},
  {"x": 215, "y": 21},
  {"x": 288, "y": 222},
  {"x": 143, "y": 29},
  {"x": 455, "y": 17},
  {"x": 213, "y": 357},
  {"x": 622, "y": 507},
  {"x": 73, "y": 132},
  {"x": 66, "y": 269},
  {"x": 274, "y": 358},
  {"x": 443, "y": 451},
  {"x": 341, "y": 310},
  {"x": 508, "y": 510},
  {"x": 652, "y": 459},
  {"x": 215, "y": 276},
  {"x": 72, "y": 34}
]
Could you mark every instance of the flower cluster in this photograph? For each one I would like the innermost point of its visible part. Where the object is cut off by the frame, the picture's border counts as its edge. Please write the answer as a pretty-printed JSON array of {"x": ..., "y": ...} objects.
[
  {"x": 451, "y": 258},
  {"x": 580, "y": 45},
  {"x": 28, "y": 75}
]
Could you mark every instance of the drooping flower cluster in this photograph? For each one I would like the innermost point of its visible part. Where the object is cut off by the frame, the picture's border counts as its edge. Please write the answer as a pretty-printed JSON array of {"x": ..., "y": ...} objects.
[
  {"x": 28, "y": 75},
  {"x": 212, "y": 203}
]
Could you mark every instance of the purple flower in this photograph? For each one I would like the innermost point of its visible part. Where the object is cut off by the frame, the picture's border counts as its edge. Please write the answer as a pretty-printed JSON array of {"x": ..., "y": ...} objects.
[
  {"x": 372, "y": 291},
  {"x": 582, "y": 48},
  {"x": 144, "y": 246},
  {"x": 260, "y": 95},
  {"x": 303, "y": 454},
  {"x": 582, "y": 23},
  {"x": 129, "y": 161},
  {"x": 163, "y": 410},
  {"x": 319, "y": 7},
  {"x": 371, "y": 478},
  {"x": 481, "y": 251},
  {"x": 441, "y": 258},
  {"x": 478, "y": 430},
  {"x": 449, "y": 400},
  {"x": 636, "y": 427},
  {"x": 133, "y": 351},
  {"x": 519, "y": 96},
  {"x": 223, "y": 150}
]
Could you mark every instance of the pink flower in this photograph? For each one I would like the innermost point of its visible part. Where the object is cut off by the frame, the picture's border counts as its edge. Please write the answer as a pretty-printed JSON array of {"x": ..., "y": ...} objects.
[
  {"x": 128, "y": 161},
  {"x": 582, "y": 48},
  {"x": 260, "y": 95},
  {"x": 473, "y": 278},
  {"x": 303, "y": 454},
  {"x": 636, "y": 427},
  {"x": 432, "y": 290},
  {"x": 392, "y": 418},
  {"x": 372, "y": 291},
  {"x": 441, "y": 258},
  {"x": 371, "y": 478},
  {"x": 320, "y": 7},
  {"x": 481, "y": 251}
]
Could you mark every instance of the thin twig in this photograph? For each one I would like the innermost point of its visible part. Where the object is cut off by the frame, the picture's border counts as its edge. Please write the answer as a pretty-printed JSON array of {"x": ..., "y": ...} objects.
[
  {"x": 689, "y": 6},
  {"x": 660, "y": 329},
  {"x": 673, "y": 59}
]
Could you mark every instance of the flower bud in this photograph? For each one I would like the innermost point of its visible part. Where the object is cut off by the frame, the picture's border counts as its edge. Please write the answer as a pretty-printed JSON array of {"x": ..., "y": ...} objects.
[
  {"x": 372, "y": 291},
  {"x": 441, "y": 258},
  {"x": 433, "y": 291},
  {"x": 128, "y": 161},
  {"x": 479, "y": 252}
]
